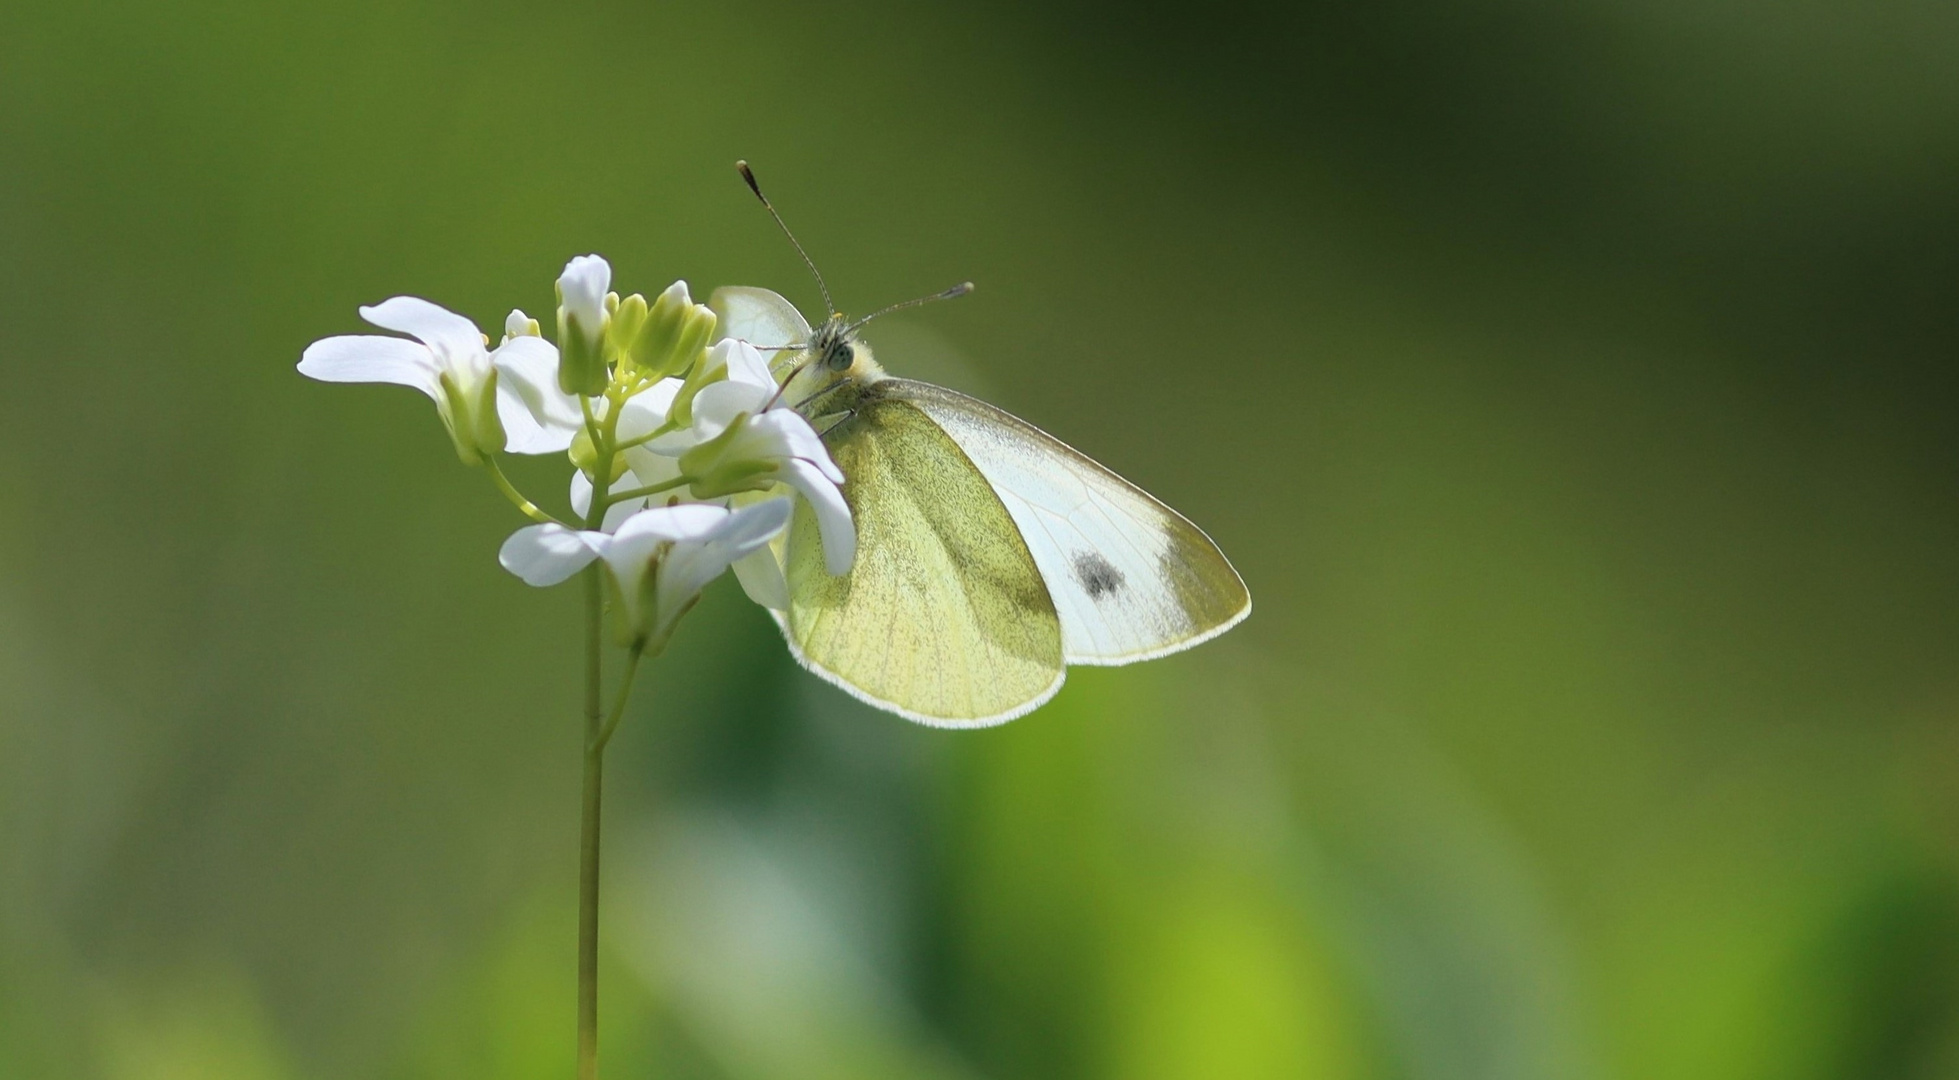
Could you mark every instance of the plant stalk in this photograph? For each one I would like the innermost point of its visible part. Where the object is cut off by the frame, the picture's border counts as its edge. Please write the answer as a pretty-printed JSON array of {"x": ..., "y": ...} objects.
[
  {"x": 588, "y": 839},
  {"x": 592, "y": 784}
]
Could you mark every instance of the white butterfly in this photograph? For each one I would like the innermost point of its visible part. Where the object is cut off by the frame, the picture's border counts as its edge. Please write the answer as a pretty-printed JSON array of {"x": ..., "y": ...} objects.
[{"x": 990, "y": 555}]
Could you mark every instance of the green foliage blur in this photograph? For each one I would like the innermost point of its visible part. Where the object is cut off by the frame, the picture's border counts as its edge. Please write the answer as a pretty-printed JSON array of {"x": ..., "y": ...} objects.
[{"x": 1573, "y": 384}]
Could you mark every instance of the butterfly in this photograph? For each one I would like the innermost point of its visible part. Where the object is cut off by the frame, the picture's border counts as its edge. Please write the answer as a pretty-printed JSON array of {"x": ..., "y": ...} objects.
[{"x": 990, "y": 555}]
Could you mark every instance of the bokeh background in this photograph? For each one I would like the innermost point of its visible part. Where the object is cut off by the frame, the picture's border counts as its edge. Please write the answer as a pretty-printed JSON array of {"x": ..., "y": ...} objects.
[{"x": 1572, "y": 383}]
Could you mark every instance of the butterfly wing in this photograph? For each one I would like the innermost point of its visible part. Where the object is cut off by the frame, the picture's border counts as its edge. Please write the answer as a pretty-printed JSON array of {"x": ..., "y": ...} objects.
[
  {"x": 944, "y": 618},
  {"x": 760, "y": 317},
  {"x": 1131, "y": 578}
]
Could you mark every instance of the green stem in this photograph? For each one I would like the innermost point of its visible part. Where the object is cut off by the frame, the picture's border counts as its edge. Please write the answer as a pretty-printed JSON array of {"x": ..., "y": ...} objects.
[
  {"x": 598, "y": 734},
  {"x": 510, "y": 492},
  {"x": 618, "y": 497},
  {"x": 594, "y": 772},
  {"x": 640, "y": 440},
  {"x": 621, "y": 695},
  {"x": 588, "y": 840}
]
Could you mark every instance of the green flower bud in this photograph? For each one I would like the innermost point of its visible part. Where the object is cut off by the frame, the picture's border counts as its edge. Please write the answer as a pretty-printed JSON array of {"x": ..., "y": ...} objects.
[
  {"x": 628, "y": 320},
  {"x": 675, "y": 333}
]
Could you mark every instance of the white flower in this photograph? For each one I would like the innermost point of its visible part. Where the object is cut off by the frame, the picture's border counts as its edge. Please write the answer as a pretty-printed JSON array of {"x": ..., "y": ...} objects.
[
  {"x": 653, "y": 464},
  {"x": 490, "y": 401},
  {"x": 745, "y": 439},
  {"x": 643, "y": 469},
  {"x": 660, "y": 558}
]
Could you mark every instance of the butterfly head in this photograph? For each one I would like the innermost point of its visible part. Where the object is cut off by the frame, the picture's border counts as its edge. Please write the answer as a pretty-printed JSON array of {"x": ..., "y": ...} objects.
[
  {"x": 833, "y": 359},
  {"x": 833, "y": 347}
]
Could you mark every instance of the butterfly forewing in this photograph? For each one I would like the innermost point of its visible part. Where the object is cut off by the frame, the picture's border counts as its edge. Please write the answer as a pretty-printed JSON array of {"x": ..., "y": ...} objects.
[
  {"x": 945, "y": 617},
  {"x": 1130, "y": 577},
  {"x": 758, "y": 316}
]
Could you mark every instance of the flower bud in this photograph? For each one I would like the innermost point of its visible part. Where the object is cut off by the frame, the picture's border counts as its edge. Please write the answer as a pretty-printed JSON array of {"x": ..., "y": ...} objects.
[
  {"x": 581, "y": 325},
  {"x": 675, "y": 333},
  {"x": 622, "y": 332},
  {"x": 517, "y": 324}
]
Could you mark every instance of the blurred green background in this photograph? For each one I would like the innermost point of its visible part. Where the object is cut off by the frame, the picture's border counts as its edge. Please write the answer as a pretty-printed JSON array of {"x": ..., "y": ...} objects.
[{"x": 1574, "y": 385}]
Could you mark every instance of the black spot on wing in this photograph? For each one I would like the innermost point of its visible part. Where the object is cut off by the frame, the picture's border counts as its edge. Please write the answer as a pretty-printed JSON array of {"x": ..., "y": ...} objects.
[{"x": 1096, "y": 574}]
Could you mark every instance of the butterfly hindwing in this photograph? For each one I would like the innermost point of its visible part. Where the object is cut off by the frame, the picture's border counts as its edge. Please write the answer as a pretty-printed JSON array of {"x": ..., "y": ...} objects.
[
  {"x": 1131, "y": 578},
  {"x": 945, "y": 617}
]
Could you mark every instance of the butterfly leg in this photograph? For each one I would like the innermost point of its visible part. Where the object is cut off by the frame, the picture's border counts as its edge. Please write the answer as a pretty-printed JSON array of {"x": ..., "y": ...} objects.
[
  {"x": 819, "y": 393},
  {"x": 841, "y": 419}
]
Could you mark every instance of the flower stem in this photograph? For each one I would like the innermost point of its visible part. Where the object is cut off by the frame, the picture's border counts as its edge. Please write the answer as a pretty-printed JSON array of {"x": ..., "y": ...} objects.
[
  {"x": 510, "y": 492},
  {"x": 588, "y": 841},
  {"x": 597, "y": 734},
  {"x": 594, "y": 772},
  {"x": 641, "y": 440},
  {"x": 620, "y": 696},
  {"x": 651, "y": 489}
]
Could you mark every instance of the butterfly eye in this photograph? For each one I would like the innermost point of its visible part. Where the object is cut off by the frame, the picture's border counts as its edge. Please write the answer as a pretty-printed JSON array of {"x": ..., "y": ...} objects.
[{"x": 842, "y": 356}]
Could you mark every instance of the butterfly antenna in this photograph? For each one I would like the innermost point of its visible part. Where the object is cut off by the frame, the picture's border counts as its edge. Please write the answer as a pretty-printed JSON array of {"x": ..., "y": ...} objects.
[
  {"x": 749, "y": 175},
  {"x": 962, "y": 289}
]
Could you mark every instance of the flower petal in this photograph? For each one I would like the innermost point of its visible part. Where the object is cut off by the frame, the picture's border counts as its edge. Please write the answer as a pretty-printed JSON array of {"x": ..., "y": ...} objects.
[
  {"x": 717, "y": 405},
  {"x": 545, "y": 554},
  {"x": 754, "y": 524},
  {"x": 794, "y": 437},
  {"x": 360, "y": 358},
  {"x": 761, "y": 577},
  {"x": 832, "y": 514},
  {"x": 687, "y": 522},
  {"x": 583, "y": 286},
  {"x": 644, "y": 412},
  {"x": 692, "y": 563},
  {"x": 651, "y": 467},
  {"x": 747, "y": 365},
  {"x": 436, "y": 326},
  {"x": 517, "y": 324},
  {"x": 675, "y": 443},
  {"x": 628, "y": 551},
  {"x": 538, "y": 417}
]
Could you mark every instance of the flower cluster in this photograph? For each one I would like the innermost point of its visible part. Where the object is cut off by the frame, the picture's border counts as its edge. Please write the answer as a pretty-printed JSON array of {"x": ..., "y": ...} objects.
[{"x": 700, "y": 459}]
